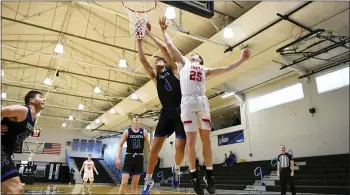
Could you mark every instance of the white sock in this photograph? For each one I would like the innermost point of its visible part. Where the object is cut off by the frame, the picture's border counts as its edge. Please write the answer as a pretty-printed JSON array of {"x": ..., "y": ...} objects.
[
  {"x": 177, "y": 169},
  {"x": 192, "y": 170},
  {"x": 209, "y": 168},
  {"x": 148, "y": 176}
]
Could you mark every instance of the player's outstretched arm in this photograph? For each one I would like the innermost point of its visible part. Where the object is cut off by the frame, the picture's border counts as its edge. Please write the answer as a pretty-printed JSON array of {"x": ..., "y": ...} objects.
[
  {"x": 219, "y": 71},
  {"x": 170, "y": 61},
  {"x": 145, "y": 63},
  {"x": 119, "y": 148},
  {"x": 148, "y": 144},
  {"x": 173, "y": 50},
  {"x": 14, "y": 111}
]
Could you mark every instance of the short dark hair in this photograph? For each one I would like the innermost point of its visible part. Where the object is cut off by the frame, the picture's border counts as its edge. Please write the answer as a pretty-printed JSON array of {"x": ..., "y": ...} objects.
[
  {"x": 30, "y": 95},
  {"x": 89, "y": 155},
  {"x": 200, "y": 57},
  {"x": 160, "y": 59}
]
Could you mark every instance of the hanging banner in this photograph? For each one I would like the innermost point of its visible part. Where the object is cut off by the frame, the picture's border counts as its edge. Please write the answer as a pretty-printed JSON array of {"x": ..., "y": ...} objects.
[{"x": 231, "y": 138}]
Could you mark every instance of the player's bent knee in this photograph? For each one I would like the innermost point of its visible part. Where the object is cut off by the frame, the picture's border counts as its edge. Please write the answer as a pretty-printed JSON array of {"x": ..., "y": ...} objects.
[
  {"x": 15, "y": 190},
  {"x": 12, "y": 186},
  {"x": 180, "y": 147}
]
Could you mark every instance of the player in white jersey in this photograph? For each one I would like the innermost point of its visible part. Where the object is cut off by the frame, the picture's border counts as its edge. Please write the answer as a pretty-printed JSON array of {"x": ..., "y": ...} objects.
[
  {"x": 88, "y": 167},
  {"x": 195, "y": 111}
]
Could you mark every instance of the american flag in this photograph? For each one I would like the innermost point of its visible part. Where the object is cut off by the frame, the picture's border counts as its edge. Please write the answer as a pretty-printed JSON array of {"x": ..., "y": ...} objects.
[{"x": 52, "y": 148}]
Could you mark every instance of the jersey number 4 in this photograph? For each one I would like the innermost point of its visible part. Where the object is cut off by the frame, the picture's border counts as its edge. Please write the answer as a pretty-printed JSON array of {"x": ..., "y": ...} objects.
[{"x": 195, "y": 76}]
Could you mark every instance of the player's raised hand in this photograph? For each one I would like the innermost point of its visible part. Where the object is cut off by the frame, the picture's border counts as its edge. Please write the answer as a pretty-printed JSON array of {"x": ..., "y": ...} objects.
[
  {"x": 162, "y": 23},
  {"x": 245, "y": 53},
  {"x": 118, "y": 163}
]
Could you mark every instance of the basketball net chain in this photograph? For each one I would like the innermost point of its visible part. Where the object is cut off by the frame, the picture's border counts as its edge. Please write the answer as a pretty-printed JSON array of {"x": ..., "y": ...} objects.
[{"x": 52, "y": 83}]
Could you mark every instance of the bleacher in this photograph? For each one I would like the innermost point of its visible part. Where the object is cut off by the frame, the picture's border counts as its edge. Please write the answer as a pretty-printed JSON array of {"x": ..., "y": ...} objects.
[
  {"x": 322, "y": 174},
  {"x": 102, "y": 177},
  {"x": 227, "y": 178}
]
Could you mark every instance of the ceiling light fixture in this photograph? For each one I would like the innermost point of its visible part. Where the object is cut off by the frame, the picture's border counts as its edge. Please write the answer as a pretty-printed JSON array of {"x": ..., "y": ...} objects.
[
  {"x": 228, "y": 34},
  {"x": 47, "y": 81},
  {"x": 112, "y": 111},
  {"x": 81, "y": 107},
  {"x": 170, "y": 13},
  {"x": 122, "y": 63},
  {"x": 97, "y": 90},
  {"x": 228, "y": 95},
  {"x": 134, "y": 96},
  {"x": 59, "y": 48}
]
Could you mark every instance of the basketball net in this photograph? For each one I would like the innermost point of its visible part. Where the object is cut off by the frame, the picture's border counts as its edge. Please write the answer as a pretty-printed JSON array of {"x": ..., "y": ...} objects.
[
  {"x": 32, "y": 150},
  {"x": 33, "y": 146},
  {"x": 138, "y": 13}
]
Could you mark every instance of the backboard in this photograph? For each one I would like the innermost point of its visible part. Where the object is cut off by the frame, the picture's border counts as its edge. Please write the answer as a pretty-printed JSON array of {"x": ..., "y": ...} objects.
[
  {"x": 201, "y": 8},
  {"x": 33, "y": 145}
]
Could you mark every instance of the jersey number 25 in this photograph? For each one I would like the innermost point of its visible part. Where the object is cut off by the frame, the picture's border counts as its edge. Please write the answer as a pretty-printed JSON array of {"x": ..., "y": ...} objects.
[{"x": 195, "y": 76}]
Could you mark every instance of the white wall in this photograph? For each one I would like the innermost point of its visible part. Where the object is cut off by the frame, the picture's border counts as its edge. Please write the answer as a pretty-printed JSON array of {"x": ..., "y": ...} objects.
[
  {"x": 325, "y": 133},
  {"x": 54, "y": 136}
]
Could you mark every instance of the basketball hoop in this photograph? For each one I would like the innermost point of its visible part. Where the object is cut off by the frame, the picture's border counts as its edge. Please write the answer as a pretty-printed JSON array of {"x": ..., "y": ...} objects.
[
  {"x": 139, "y": 16},
  {"x": 32, "y": 145}
]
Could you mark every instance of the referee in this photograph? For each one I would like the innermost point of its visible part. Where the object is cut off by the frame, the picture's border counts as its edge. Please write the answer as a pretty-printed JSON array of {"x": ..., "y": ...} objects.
[{"x": 285, "y": 170}]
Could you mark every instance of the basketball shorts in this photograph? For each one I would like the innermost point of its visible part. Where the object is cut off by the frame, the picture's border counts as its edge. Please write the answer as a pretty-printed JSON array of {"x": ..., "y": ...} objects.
[
  {"x": 195, "y": 113},
  {"x": 8, "y": 168},
  {"x": 170, "y": 122},
  {"x": 88, "y": 175},
  {"x": 133, "y": 164}
]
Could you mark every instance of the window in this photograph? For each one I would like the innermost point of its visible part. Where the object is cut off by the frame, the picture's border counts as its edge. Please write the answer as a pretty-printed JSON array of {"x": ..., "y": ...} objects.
[
  {"x": 226, "y": 118},
  {"x": 282, "y": 96},
  {"x": 333, "y": 80}
]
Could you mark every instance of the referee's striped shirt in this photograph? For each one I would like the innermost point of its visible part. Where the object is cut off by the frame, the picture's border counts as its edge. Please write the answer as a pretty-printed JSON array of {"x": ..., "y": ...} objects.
[{"x": 284, "y": 160}]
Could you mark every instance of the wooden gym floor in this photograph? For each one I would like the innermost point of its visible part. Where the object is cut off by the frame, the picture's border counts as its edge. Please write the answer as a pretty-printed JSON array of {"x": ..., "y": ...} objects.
[{"x": 77, "y": 189}]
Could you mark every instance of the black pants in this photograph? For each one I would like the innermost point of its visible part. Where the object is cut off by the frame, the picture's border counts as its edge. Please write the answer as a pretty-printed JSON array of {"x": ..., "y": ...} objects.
[
  {"x": 286, "y": 178},
  {"x": 71, "y": 178}
]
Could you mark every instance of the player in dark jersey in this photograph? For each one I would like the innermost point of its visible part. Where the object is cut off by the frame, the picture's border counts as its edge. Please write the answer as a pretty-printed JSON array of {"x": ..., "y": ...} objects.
[
  {"x": 135, "y": 138},
  {"x": 16, "y": 125},
  {"x": 166, "y": 79}
]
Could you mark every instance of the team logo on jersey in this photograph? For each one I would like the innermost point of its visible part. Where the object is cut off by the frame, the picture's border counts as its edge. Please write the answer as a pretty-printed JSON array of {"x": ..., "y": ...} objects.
[
  {"x": 25, "y": 134},
  {"x": 167, "y": 85}
]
